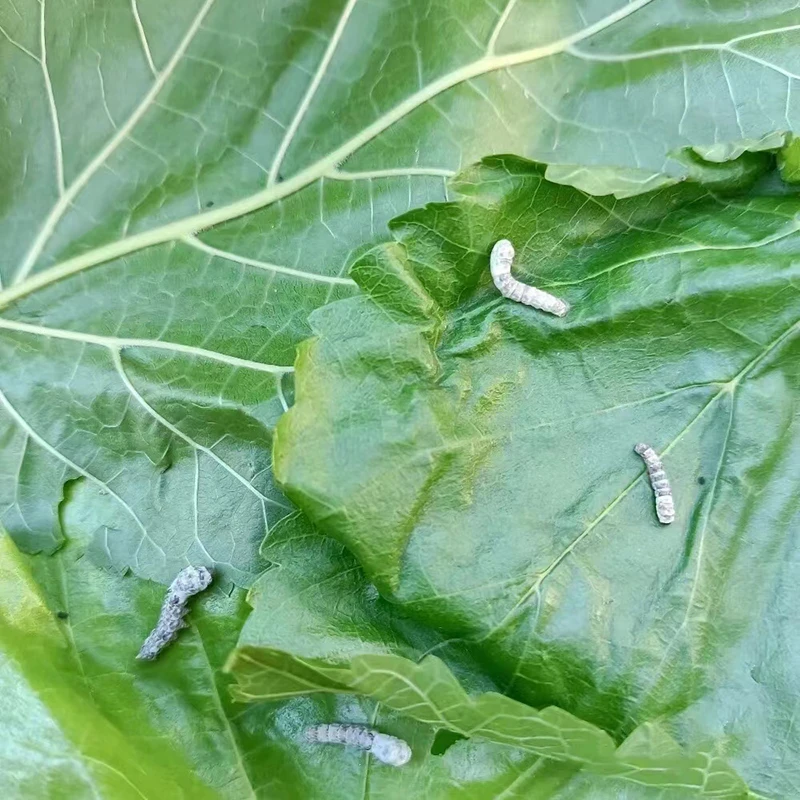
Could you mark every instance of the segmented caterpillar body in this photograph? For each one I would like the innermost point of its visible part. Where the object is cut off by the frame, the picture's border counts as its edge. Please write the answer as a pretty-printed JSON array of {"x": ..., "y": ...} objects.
[
  {"x": 500, "y": 264},
  {"x": 387, "y": 749},
  {"x": 665, "y": 505},
  {"x": 189, "y": 581}
]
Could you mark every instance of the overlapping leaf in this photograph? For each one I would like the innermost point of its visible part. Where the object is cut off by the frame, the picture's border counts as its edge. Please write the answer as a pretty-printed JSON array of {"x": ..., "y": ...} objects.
[
  {"x": 81, "y": 718},
  {"x": 476, "y": 455},
  {"x": 319, "y": 627}
]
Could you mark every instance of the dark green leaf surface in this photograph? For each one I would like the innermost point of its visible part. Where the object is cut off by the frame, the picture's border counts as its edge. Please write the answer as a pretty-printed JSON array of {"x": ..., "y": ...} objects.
[
  {"x": 789, "y": 161},
  {"x": 476, "y": 455},
  {"x": 318, "y": 627},
  {"x": 79, "y": 717},
  {"x": 183, "y": 183}
]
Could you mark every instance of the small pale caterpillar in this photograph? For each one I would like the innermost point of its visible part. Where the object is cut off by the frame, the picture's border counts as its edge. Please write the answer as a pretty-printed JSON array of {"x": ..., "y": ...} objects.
[
  {"x": 387, "y": 749},
  {"x": 500, "y": 265},
  {"x": 665, "y": 506},
  {"x": 190, "y": 580}
]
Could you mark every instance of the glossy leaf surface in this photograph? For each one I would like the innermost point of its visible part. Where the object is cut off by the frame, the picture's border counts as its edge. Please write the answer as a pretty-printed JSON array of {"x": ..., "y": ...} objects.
[{"x": 477, "y": 455}]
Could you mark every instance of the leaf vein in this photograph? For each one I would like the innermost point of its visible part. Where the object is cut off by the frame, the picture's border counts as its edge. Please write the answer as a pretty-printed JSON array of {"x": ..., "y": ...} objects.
[
  {"x": 310, "y": 92},
  {"x": 68, "y": 196},
  {"x": 199, "y": 244},
  {"x": 25, "y": 283},
  {"x": 115, "y": 355},
  {"x": 45, "y": 445},
  {"x": 51, "y": 101},
  {"x": 121, "y": 343}
]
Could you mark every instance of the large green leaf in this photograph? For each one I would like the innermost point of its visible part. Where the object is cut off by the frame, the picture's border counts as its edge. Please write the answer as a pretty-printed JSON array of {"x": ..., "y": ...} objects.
[
  {"x": 181, "y": 184},
  {"x": 318, "y": 627},
  {"x": 476, "y": 455},
  {"x": 222, "y": 161},
  {"x": 80, "y": 717}
]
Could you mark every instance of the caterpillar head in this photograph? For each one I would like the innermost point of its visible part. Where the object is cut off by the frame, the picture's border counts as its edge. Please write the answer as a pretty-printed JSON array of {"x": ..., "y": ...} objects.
[
  {"x": 390, "y": 750},
  {"x": 202, "y": 577},
  {"x": 501, "y": 258},
  {"x": 192, "y": 580}
]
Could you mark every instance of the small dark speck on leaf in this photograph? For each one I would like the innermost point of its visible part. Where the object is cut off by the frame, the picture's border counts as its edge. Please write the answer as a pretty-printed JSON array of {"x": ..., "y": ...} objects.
[
  {"x": 701, "y": 480},
  {"x": 62, "y": 615},
  {"x": 209, "y": 204}
]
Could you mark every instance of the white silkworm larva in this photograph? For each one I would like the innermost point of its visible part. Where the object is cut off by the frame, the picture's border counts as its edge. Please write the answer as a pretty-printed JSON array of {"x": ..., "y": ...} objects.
[
  {"x": 500, "y": 263},
  {"x": 189, "y": 581},
  {"x": 387, "y": 749},
  {"x": 665, "y": 506}
]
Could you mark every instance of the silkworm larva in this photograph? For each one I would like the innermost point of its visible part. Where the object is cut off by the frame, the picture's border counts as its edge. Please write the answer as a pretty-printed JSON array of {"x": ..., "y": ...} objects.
[
  {"x": 387, "y": 749},
  {"x": 665, "y": 506},
  {"x": 500, "y": 264},
  {"x": 189, "y": 581}
]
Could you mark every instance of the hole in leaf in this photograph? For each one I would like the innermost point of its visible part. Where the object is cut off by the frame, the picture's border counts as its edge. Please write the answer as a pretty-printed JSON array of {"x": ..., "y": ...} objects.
[
  {"x": 701, "y": 480},
  {"x": 444, "y": 740}
]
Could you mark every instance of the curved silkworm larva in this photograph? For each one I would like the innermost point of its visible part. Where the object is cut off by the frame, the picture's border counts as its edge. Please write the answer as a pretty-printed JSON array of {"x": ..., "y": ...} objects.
[
  {"x": 189, "y": 581},
  {"x": 665, "y": 506},
  {"x": 387, "y": 749},
  {"x": 500, "y": 264}
]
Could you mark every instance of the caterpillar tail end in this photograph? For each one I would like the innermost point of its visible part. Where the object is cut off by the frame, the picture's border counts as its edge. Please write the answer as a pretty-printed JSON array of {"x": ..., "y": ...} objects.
[
  {"x": 390, "y": 750},
  {"x": 665, "y": 511}
]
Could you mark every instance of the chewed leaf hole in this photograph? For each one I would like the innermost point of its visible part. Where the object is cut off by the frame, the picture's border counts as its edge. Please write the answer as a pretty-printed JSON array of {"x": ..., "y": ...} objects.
[{"x": 444, "y": 740}]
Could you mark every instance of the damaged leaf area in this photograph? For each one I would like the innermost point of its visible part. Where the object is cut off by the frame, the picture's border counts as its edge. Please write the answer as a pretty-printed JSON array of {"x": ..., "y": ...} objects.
[{"x": 476, "y": 455}]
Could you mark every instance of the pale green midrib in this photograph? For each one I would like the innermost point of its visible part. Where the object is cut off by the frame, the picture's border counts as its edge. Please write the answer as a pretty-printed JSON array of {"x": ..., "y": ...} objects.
[
  {"x": 194, "y": 224},
  {"x": 116, "y": 343}
]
